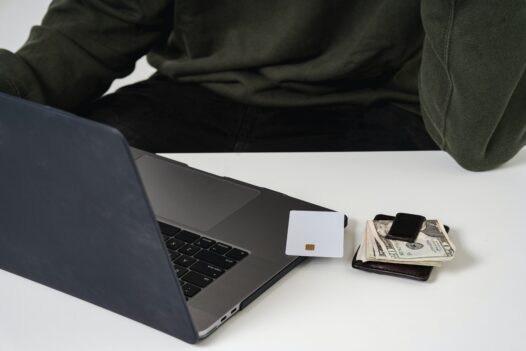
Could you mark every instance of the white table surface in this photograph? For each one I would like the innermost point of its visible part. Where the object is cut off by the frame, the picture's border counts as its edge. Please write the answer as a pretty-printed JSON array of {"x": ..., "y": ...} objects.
[{"x": 475, "y": 302}]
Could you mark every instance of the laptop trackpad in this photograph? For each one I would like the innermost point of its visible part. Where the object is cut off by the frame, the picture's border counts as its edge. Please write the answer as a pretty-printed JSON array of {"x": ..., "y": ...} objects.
[{"x": 189, "y": 197}]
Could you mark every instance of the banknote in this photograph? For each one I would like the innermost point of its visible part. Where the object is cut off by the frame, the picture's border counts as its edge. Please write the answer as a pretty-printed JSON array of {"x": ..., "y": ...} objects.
[{"x": 432, "y": 246}]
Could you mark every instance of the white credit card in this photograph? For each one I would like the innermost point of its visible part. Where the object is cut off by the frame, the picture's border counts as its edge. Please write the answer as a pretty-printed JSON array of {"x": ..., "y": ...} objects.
[{"x": 315, "y": 234}]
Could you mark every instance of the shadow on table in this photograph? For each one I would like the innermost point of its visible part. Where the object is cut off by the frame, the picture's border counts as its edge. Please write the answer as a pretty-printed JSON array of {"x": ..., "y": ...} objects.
[
  {"x": 518, "y": 160},
  {"x": 349, "y": 238}
]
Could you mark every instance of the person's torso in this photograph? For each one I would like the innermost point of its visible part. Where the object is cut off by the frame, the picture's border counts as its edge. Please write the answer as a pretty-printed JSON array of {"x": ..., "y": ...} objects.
[{"x": 296, "y": 52}]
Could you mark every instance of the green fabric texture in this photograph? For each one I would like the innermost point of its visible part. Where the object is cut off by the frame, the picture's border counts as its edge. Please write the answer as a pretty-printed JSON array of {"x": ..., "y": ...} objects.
[{"x": 459, "y": 63}]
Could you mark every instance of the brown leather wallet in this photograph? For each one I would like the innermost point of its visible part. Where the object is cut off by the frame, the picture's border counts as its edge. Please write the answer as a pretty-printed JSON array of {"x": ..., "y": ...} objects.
[{"x": 398, "y": 270}]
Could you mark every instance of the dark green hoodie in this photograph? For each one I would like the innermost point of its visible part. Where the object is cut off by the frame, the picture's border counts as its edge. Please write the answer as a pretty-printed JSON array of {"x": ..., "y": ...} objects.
[{"x": 460, "y": 64}]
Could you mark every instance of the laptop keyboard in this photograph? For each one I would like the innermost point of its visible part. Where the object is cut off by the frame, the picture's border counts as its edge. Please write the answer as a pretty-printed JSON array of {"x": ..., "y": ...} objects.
[{"x": 198, "y": 260}]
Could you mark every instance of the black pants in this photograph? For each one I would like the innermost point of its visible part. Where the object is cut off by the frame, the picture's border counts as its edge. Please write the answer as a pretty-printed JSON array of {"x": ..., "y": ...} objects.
[{"x": 160, "y": 115}]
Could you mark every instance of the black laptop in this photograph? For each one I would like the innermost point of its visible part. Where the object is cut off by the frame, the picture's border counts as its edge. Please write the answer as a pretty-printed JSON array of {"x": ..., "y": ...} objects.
[{"x": 170, "y": 246}]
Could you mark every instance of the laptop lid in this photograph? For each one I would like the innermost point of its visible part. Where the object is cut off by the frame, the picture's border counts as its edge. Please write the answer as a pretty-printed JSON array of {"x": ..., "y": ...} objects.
[{"x": 75, "y": 217}]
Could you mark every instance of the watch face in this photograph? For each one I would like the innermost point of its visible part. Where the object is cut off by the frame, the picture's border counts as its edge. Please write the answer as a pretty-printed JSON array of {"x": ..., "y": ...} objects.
[{"x": 406, "y": 226}]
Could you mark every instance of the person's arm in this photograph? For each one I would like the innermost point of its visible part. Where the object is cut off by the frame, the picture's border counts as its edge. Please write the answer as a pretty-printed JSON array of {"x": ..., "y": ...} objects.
[
  {"x": 81, "y": 47},
  {"x": 472, "y": 81}
]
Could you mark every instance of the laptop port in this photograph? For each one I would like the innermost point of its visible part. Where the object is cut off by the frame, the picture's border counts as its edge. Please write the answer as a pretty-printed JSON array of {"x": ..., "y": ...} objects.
[
  {"x": 234, "y": 310},
  {"x": 223, "y": 319}
]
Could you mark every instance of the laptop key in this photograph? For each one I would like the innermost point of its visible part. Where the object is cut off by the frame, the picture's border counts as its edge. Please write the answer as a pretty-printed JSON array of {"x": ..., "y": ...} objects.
[
  {"x": 220, "y": 248},
  {"x": 185, "y": 261},
  {"x": 187, "y": 236},
  {"x": 197, "y": 279},
  {"x": 180, "y": 271},
  {"x": 237, "y": 254},
  {"x": 207, "y": 269},
  {"x": 167, "y": 229},
  {"x": 215, "y": 259},
  {"x": 174, "y": 255},
  {"x": 189, "y": 249},
  {"x": 174, "y": 244},
  {"x": 190, "y": 290},
  {"x": 204, "y": 243}
]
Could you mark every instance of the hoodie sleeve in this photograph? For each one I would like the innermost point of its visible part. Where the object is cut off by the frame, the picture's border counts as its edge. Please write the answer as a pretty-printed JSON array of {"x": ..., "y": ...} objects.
[
  {"x": 472, "y": 81},
  {"x": 81, "y": 47}
]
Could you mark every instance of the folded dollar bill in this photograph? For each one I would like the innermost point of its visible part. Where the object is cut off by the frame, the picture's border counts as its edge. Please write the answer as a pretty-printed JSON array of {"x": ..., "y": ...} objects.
[{"x": 432, "y": 246}]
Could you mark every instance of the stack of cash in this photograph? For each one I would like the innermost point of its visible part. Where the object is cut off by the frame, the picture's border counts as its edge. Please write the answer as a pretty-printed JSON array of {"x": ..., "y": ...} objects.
[{"x": 432, "y": 246}]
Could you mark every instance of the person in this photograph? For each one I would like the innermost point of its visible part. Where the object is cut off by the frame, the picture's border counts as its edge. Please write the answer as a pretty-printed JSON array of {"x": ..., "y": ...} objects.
[{"x": 285, "y": 75}]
